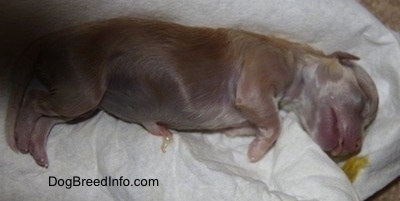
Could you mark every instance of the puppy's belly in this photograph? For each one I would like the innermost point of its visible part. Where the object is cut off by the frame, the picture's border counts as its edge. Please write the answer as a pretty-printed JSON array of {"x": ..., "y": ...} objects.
[{"x": 143, "y": 107}]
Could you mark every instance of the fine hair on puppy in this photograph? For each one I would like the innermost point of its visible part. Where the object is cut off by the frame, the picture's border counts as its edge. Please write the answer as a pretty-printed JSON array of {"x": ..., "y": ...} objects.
[{"x": 165, "y": 76}]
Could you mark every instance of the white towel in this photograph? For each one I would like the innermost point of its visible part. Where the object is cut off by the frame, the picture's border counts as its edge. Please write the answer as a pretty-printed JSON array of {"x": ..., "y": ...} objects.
[{"x": 207, "y": 166}]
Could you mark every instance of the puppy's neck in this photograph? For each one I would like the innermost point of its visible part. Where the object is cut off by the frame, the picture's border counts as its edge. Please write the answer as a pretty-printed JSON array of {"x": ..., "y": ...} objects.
[
  {"x": 286, "y": 66},
  {"x": 304, "y": 65}
]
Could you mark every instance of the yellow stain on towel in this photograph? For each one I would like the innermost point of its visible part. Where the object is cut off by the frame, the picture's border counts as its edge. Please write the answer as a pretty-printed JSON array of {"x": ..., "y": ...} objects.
[{"x": 354, "y": 165}]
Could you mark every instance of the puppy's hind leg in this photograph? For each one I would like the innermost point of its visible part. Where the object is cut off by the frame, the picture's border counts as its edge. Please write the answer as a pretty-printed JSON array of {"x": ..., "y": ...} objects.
[
  {"x": 43, "y": 109},
  {"x": 26, "y": 120},
  {"x": 32, "y": 127},
  {"x": 39, "y": 137}
]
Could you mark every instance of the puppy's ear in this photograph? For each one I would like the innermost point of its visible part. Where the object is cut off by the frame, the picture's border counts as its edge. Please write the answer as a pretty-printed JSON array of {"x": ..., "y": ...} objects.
[
  {"x": 344, "y": 57},
  {"x": 329, "y": 70},
  {"x": 364, "y": 81},
  {"x": 368, "y": 86}
]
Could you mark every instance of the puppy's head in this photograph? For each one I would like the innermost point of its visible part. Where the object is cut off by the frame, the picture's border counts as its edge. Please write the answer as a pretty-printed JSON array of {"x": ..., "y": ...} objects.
[{"x": 335, "y": 100}]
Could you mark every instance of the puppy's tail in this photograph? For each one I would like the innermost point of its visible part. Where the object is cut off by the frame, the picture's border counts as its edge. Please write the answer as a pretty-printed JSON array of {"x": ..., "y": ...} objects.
[{"x": 22, "y": 74}]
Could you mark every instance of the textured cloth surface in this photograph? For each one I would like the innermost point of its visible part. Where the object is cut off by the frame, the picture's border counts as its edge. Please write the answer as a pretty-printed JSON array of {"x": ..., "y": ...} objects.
[{"x": 207, "y": 166}]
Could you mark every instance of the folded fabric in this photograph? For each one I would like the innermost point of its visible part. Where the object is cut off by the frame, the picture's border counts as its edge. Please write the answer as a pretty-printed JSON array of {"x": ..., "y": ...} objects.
[{"x": 106, "y": 158}]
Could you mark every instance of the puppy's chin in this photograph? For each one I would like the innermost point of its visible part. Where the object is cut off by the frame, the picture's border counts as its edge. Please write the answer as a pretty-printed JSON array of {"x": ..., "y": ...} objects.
[{"x": 343, "y": 157}]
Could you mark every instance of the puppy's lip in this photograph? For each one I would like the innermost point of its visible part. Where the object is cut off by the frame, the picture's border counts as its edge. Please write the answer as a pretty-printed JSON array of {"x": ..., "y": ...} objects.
[
  {"x": 337, "y": 151},
  {"x": 335, "y": 123},
  {"x": 327, "y": 133},
  {"x": 334, "y": 127}
]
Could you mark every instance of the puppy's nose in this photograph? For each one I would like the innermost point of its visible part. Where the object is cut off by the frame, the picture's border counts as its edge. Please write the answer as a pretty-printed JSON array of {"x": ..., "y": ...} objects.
[
  {"x": 352, "y": 146},
  {"x": 357, "y": 145}
]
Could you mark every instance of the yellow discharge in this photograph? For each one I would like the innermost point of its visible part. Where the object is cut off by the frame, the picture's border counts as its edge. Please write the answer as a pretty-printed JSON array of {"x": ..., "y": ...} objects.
[{"x": 354, "y": 165}]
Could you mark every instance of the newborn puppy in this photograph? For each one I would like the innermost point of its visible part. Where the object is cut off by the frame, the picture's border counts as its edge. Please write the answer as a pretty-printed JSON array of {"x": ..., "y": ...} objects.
[{"x": 168, "y": 76}]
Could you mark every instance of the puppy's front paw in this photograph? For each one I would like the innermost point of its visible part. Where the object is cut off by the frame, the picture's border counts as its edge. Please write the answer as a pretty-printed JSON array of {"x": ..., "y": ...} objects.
[{"x": 261, "y": 144}]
